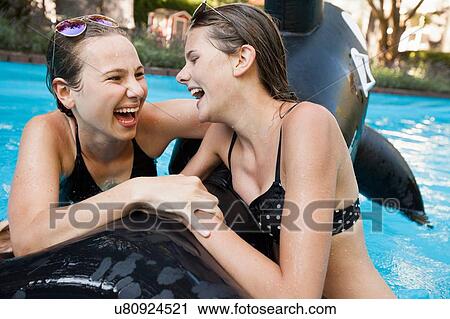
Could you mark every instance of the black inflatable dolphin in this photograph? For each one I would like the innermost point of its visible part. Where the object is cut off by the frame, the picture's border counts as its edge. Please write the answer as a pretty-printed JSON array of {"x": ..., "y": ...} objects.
[
  {"x": 141, "y": 256},
  {"x": 328, "y": 65}
]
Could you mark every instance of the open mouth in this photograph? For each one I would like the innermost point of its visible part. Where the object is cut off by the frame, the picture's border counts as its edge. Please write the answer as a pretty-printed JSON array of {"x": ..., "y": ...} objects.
[
  {"x": 126, "y": 116},
  {"x": 197, "y": 93}
]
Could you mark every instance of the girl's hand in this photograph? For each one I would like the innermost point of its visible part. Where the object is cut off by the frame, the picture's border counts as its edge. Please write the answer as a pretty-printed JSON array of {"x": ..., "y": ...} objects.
[{"x": 178, "y": 197}]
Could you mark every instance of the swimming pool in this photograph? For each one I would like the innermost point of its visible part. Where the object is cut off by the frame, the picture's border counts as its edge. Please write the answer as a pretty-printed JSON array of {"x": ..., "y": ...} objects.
[{"x": 414, "y": 260}]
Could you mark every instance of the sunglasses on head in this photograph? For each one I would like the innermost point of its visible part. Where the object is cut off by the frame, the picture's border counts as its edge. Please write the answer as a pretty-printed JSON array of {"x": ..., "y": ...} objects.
[
  {"x": 202, "y": 8},
  {"x": 76, "y": 26}
]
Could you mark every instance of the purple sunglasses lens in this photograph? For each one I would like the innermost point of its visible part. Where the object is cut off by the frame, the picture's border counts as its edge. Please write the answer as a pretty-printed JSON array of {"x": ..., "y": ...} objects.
[
  {"x": 103, "y": 20},
  {"x": 71, "y": 28}
]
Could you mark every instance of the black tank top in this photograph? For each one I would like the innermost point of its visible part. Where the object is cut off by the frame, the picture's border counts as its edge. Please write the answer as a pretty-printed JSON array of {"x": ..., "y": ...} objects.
[
  {"x": 267, "y": 208},
  {"x": 80, "y": 184}
]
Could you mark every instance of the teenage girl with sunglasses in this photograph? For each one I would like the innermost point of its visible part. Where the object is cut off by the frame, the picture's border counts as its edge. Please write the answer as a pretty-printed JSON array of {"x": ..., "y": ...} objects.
[
  {"x": 288, "y": 161},
  {"x": 100, "y": 147}
]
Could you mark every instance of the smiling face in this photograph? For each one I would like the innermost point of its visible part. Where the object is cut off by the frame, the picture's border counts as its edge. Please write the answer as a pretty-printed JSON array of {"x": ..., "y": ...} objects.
[
  {"x": 113, "y": 87},
  {"x": 208, "y": 75},
  {"x": 234, "y": 54}
]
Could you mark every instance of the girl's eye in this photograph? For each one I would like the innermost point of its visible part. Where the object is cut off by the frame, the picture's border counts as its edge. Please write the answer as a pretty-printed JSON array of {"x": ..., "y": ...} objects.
[
  {"x": 114, "y": 78},
  {"x": 193, "y": 60},
  {"x": 140, "y": 74}
]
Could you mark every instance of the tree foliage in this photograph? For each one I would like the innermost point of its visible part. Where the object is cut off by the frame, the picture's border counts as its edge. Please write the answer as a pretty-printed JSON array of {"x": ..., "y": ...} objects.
[
  {"x": 15, "y": 9},
  {"x": 392, "y": 24}
]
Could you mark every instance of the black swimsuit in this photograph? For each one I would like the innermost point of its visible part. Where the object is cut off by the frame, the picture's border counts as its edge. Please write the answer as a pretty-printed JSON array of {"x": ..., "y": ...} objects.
[
  {"x": 267, "y": 208},
  {"x": 80, "y": 184}
]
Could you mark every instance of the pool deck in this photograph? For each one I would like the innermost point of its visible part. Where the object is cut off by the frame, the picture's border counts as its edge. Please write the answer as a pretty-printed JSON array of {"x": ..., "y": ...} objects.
[{"x": 21, "y": 57}]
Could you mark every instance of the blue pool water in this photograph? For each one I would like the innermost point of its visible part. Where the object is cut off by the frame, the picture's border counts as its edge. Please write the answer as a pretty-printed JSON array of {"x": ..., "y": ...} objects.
[{"x": 414, "y": 260}]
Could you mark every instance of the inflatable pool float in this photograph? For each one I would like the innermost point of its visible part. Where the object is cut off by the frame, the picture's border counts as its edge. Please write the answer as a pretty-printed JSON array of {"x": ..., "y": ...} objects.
[{"x": 144, "y": 256}]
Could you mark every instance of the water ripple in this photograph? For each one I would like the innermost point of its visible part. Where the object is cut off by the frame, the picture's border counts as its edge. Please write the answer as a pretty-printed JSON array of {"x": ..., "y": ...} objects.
[{"x": 416, "y": 261}]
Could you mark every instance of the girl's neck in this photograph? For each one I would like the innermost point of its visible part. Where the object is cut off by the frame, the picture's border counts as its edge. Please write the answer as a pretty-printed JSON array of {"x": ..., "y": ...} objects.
[
  {"x": 98, "y": 146},
  {"x": 256, "y": 119}
]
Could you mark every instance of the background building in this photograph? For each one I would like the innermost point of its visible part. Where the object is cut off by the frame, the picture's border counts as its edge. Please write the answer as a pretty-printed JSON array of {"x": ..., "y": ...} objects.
[{"x": 168, "y": 24}]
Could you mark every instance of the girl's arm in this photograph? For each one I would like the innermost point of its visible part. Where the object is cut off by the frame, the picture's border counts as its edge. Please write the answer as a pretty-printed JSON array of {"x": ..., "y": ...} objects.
[
  {"x": 311, "y": 164},
  {"x": 207, "y": 157},
  {"x": 173, "y": 119},
  {"x": 35, "y": 225}
]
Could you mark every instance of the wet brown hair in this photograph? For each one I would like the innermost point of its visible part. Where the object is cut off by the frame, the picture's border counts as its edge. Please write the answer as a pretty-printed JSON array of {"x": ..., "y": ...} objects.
[
  {"x": 244, "y": 24},
  {"x": 66, "y": 62}
]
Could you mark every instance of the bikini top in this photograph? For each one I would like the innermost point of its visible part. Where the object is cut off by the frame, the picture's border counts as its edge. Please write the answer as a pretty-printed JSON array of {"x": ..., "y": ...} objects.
[
  {"x": 81, "y": 185},
  {"x": 267, "y": 208}
]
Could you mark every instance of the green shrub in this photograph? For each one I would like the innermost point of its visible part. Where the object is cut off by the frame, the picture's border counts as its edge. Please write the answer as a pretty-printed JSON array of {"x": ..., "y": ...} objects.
[
  {"x": 416, "y": 70},
  {"x": 16, "y": 35},
  {"x": 154, "y": 54},
  {"x": 427, "y": 57},
  {"x": 400, "y": 79}
]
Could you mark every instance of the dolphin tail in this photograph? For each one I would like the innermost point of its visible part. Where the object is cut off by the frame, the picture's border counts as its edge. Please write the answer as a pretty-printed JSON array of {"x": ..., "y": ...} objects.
[{"x": 383, "y": 173}]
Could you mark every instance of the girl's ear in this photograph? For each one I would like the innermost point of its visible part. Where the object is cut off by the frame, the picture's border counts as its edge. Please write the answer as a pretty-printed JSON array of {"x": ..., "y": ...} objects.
[
  {"x": 244, "y": 60},
  {"x": 63, "y": 92}
]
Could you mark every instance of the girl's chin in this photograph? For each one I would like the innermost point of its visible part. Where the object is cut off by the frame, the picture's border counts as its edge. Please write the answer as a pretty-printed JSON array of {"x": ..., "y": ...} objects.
[
  {"x": 203, "y": 111},
  {"x": 125, "y": 132},
  {"x": 203, "y": 118},
  {"x": 203, "y": 115}
]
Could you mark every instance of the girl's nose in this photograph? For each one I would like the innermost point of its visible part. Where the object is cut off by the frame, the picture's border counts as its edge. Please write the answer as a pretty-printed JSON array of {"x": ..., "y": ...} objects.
[
  {"x": 135, "y": 89},
  {"x": 183, "y": 76}
]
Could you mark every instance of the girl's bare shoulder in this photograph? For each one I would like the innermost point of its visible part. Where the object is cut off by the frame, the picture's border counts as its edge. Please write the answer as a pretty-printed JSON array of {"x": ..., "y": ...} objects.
[{"x": 53, "y": 131}]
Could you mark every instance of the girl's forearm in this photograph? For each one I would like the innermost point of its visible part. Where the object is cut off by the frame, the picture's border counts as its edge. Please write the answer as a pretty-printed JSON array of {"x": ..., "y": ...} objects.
[
  {"x": 58, "y": 224},
  {"x": 50, "y": 226},
  {"x": 254, "y": 272}
]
